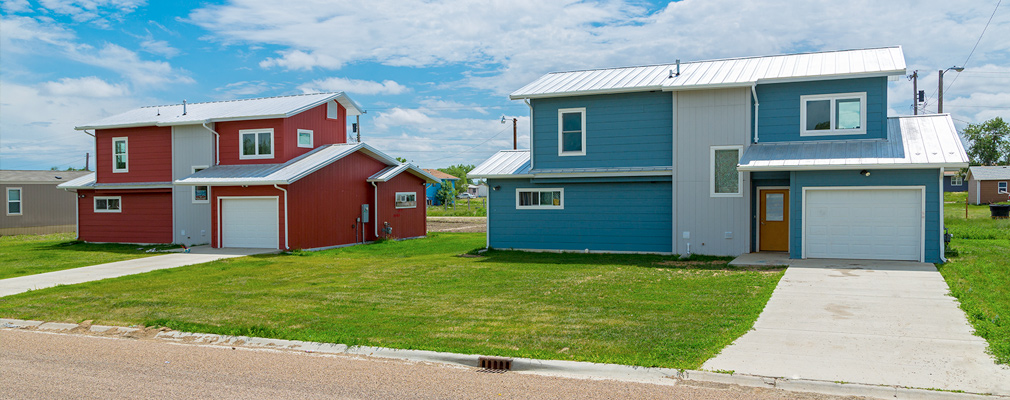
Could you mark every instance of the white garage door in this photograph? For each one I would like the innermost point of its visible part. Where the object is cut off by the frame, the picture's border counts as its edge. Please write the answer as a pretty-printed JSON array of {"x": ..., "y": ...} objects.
[
  {"x": 874, "y": 224},
  {"x": 251, "y": 223}
]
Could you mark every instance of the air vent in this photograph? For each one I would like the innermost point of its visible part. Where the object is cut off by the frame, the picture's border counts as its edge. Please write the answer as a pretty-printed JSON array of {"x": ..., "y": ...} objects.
[{"x": 494, "y": 364}]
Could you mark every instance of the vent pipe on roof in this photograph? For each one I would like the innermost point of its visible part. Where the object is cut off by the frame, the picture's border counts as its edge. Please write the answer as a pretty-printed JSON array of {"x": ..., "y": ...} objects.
[
  {"x": 672, "y": 75},
  {"x": 184, "y": 107}
]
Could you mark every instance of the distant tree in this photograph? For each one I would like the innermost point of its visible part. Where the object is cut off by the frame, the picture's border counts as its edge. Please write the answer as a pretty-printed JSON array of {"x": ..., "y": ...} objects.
[
  {"x": 990, "y": 142},
  {"x": 401, "y": 160},
  {"x": 68, "y": 169},
  {"x": 445, "y": 194},
  {"x": 460, "y": 172}
]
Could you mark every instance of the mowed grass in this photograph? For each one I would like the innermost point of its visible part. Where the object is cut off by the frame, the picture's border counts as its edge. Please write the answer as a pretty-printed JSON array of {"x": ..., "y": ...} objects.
[
  {"x": 34, "y": 254},
  {"x": 978, "y": 271},
  {"x": 420, "y": 294}
]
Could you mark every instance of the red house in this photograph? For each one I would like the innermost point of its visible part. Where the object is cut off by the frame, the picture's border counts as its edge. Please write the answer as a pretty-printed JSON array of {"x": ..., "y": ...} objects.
[{"x": 262, "y": 173}]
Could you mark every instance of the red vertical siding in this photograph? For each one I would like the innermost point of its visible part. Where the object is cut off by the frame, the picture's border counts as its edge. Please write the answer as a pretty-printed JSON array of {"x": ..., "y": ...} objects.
[
  {"x": 146, "y": 217},
  {"x": 326, "y": 204},
  {"x": 324, "y": 130},
  {"x": 406, "y": 222},
  {"x": 234, "y": 191},
  {"x": 230, "y": 140},
  {"x": 149, "y": 154}
]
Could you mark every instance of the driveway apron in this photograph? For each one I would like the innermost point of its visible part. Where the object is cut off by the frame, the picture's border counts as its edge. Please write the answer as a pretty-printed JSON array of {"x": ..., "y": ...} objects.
[
  {"x": 120, "y": 268},
  {"x": 873, "y": 322}
]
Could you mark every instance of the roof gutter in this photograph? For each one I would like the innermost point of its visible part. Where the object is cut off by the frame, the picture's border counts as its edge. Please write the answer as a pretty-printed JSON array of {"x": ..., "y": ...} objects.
[
  {"x": 217, "y": 144},
  {"x": 847, "y": 167},
  {"x": 375, "y": 220}
]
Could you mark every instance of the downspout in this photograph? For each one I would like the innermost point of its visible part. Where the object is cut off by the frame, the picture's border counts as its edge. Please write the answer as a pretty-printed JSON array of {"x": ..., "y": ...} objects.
[
  {"x": 217, "y": 147},
  {"x": 943, "y": 241},
  {"x": 527, "y": 101},
  {"x": 77, "y": 196},
  {"x": 286, "y": 246},
  {"x": 375, "y": 223},
  {"x": 753, "y": 92}
]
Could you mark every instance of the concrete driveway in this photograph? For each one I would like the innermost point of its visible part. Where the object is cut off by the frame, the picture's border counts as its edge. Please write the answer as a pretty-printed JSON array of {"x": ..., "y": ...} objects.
[
  {"x": 873, "y": 322},
  {"x": 198, "y": 255}
]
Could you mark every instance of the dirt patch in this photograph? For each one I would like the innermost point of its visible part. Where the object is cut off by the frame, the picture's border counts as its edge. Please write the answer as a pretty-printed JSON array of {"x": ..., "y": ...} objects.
[{"x": 457, "y": 224}]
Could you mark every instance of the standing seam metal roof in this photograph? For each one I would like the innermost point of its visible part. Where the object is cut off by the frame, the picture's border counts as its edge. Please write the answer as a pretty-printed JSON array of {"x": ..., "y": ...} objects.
[{"x": 504, "y": 162}]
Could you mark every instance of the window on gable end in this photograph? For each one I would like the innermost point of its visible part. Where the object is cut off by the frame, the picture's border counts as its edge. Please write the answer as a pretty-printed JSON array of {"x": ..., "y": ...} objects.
[
  {"x": 305, "y": 138},
  {"x": 256, "y": 144},
  {"x": 572, "y": 132},
  {"x": 120, "y": 155}
]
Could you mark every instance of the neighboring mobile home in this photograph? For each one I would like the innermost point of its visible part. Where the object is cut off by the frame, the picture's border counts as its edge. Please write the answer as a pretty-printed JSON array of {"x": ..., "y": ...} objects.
[
  {"x": 34, "y": 205},
  {"x": 271, "y": 172},
  {"x": 791, "y": 153},
  {"x": 988, "y": 184},
  {"x": 444, "y": 179},
  {"x": 953, "y": 181}
]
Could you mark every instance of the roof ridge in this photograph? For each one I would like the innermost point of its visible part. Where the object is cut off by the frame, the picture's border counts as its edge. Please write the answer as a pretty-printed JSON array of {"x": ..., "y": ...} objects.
[
  {"x": 240, "y": 100},
  {"x": 723, "y": 59}
]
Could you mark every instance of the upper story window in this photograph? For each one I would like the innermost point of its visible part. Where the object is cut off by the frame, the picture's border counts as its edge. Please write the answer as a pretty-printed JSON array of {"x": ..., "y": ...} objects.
[
  {"x": 108, "y": 204},
  {"x": 406, "y": 199},
  {"x": 13, "y": 201},
  {"x": 120, "y": 156},
  {"x": 572, "y": 132},
  {"x": 332, "y": 110},
  {"x": 540, "y": 199},
  {"x": 956, "y": 180},
  {"x": 305, "y": 138},
  {"x": 725, "y": 179},
  {"x": 256, "y": 143},
  {"x": 833, "y": 114}
]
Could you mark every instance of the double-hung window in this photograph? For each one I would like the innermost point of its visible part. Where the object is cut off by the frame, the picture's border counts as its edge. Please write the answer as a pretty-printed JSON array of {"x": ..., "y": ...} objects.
[
  {"x": 305, "y": 138},
  {"x": 1001, "y": 187},
  {"x": 201, "y": 193},
  {"x": 956, "y": 180},
  {"x": 108, "y": 204},
  {"x": 572, "y": 132},
  {"x": 406, "y": 199},
  {"x": 256, "y": 144},
  {"x": 726, "y": 181},
  {"x": 120, "y": 155},
  {"x": 833, "y": 114},
  {"x": 13, "y": 201},
  {"x": 540, "y": 199}
]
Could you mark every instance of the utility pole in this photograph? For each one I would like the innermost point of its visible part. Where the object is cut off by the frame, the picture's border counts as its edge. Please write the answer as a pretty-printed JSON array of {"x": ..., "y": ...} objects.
[
  {"x": 915, "y": 92},
  {"x": 357, "y": 126},
  {"x": 515, "y": 137},
  {"x": 939, "y": 96},
  {"x": 87, "y": 161}
]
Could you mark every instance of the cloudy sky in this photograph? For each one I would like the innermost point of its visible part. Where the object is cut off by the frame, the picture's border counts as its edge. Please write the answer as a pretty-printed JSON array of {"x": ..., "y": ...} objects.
[{"x": 435, "y": 75}]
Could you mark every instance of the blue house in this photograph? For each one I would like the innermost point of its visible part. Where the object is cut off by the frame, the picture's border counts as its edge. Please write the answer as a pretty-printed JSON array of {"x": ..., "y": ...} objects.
[
  {"x": 953, "y": 181},
  {"x": 433, "y": 188},
  {"x": 787, "y": 153}
]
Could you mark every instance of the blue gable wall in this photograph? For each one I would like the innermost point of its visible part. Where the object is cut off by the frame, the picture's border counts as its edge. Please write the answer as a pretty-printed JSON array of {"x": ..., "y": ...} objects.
[
  {"x": 432, "y": 189},
  {"x": 779, "y": 114},
  {"x": 622, "y": 130},
  {"x": 599, "y": 216},
  {"x": 930, "y": 178}
]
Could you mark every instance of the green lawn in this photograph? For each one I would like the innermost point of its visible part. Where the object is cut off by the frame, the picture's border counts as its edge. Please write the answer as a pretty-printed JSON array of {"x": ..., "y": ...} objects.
[
  {"x": 463, "y": 208},
  {"x": 420, "y": 294},
  {"x": 978, "y": 271},
  {"x": 34, "y": 254}
]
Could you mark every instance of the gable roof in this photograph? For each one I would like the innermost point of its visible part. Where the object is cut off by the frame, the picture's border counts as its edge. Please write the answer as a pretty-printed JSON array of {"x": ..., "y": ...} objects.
[
  {"x": 505, "y": 163},
  {"x": 284, "y": 173},
  {"x": 391, "y": 172},
  {"x": 990, "y": 173},
  {"x": 733, "y": 72},
  {"x": 216, "y": 111},
  {"x": 441, "y": 175},
  {"x": 925, "y": 141},
  {"x": 10, "y": 176}
]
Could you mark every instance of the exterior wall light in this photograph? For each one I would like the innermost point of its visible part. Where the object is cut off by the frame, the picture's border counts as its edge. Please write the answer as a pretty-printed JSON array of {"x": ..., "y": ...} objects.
[{"x": 864, "y": 173}]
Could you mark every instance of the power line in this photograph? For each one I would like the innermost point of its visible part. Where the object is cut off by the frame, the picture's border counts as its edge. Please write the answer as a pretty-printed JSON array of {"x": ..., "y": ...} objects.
[{"x": 965, "y": 63}]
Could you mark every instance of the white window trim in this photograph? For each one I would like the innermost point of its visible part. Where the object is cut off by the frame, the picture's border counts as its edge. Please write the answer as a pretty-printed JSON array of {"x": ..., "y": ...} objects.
[
  {"x": 711, "y": 171},
  {"x": 256, "y": 156},
  {"x": 833, "y": 131},
  {"x": 126, "y": 155},
  {"x": 562, "y": 111},
  {"x": 960, "y": 180},
  {"x": 1003, "y": 190},
  {"x": 21, "y": 201},
  {"x": 538, "y": 206},
  {"x": 298, "y": 137},
  {"x": 396, "y": 199},
  {"x": 194, "y": 170},
  {"x": 95, "y": 203}
]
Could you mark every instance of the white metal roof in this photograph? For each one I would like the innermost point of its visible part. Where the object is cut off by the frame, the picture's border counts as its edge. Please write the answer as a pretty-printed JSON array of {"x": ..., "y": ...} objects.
[
  {"x": 89, "y": 182},
  {"x": 505, "y": 163},
  {"x": 197, "y": 113},
  {"x": 732, "y": 72},
  {"x": 284, "y": 173},
  {"x": 391, "y": 172},
  {"x": 926, "y": 141},
  {"x": 990, "y": 173},
  {"x": 11, "y": 176}
]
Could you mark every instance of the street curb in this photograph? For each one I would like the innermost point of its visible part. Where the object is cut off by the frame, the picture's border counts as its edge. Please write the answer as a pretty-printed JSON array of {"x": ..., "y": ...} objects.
[{"x": 569, "y": 369}]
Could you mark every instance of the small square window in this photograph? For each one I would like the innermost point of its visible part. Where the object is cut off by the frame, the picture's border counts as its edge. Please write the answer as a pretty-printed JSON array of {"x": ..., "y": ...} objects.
[
  {"x": 572, "y": 132},
  {"x": 256, "y": 144},
  {"x": 305, "y": 138},
  {"x": 108, "y": 204},
  {"x": 406, "y": 199},
  {"x": 956, "y": 180}
]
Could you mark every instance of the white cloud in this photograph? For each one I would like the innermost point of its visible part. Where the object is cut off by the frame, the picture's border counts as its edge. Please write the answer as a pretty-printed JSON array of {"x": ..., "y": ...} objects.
[
  {"x": 96, "y": 12},
  {"x": 83, "y": 87},
  {"x": 244, "y": 89},
  {"x": 353, "y": 86},
  {"x": 402, "y": 117},
  {"x": 127, "y": 63},
  {"x": 159, "y": 47},
  {"x": 15, "y": 6}
]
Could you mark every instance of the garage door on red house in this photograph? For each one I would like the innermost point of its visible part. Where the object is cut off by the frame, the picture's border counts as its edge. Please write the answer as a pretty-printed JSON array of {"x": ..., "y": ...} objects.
[{"x": 250, "y": 222}]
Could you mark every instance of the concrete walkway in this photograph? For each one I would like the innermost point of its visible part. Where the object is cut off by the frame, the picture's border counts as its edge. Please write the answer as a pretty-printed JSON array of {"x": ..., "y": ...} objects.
[
  {"x": 72, "y": 276},
  {"x": 871, "y": 322}
]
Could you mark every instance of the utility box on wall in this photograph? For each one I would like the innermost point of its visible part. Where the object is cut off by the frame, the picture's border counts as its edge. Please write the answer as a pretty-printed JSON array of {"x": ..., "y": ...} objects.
[{"x": 364, "y": 213}]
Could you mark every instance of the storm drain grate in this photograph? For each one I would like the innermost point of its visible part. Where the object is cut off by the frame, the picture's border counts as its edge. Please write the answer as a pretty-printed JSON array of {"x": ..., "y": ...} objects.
[{"x": 494, "y": 364}]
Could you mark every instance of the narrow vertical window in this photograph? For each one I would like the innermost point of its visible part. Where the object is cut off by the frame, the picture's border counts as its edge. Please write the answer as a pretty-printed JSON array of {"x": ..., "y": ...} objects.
[
  {"x": 120, "y": 155},
  {"x": 726, "y": 180},
  {"x": 201, "y": 193},
  {"x": 13, "y": 201},
  {"x": 572, "y": 132}
]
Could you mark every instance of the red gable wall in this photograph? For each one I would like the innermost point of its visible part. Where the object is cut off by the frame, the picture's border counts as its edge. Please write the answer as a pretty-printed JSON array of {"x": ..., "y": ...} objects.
[
  {"x": 149, "y": 154},
  {"x": 406, "y": 222},
  {"x": 325, "y": 131}
]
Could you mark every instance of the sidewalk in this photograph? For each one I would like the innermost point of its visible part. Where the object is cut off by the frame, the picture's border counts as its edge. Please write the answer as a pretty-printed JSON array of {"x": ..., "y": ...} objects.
[{"x": 198, "y": 255}]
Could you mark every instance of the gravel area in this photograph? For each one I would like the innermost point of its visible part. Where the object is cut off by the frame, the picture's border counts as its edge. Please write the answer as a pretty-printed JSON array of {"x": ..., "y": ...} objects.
[
  {"x": 36, "y": 364},
  {"x": 457, "y": 224}
]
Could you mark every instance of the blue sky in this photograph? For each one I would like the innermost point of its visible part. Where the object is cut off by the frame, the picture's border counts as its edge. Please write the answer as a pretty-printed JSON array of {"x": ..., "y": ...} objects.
[{"x": 435, "y": 75}]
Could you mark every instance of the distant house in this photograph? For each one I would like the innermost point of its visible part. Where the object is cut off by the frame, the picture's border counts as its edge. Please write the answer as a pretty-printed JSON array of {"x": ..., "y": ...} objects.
[
  {"x": 953, "y": 181},
  {"x": 988, "y": 184},
  {"x": 33, "y": 204},
  {"x": 478, "y": 190},
  {"x": 433, "y": 188}
]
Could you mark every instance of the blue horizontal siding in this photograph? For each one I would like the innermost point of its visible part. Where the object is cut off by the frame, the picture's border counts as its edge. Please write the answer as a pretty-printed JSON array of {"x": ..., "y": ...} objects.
[
  {"x": 779, "y": 114},
  {"x": 902, "y": 177},
  {"x": 622, "y": 130},
  {"x": 599, "y": 216},
  {"x": 947, "y": 187}
]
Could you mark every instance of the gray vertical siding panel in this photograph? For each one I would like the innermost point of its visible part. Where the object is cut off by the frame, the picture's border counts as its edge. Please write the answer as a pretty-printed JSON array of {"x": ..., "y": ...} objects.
[
  {"x": 192, "y": 145},
  {"x": 44, "y": 209},
  {"x": 710, "y": 118}
]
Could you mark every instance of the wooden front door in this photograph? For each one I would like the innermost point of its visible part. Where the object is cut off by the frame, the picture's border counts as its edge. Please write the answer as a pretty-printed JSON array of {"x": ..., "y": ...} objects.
[{"x": 773, "y": 232}]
